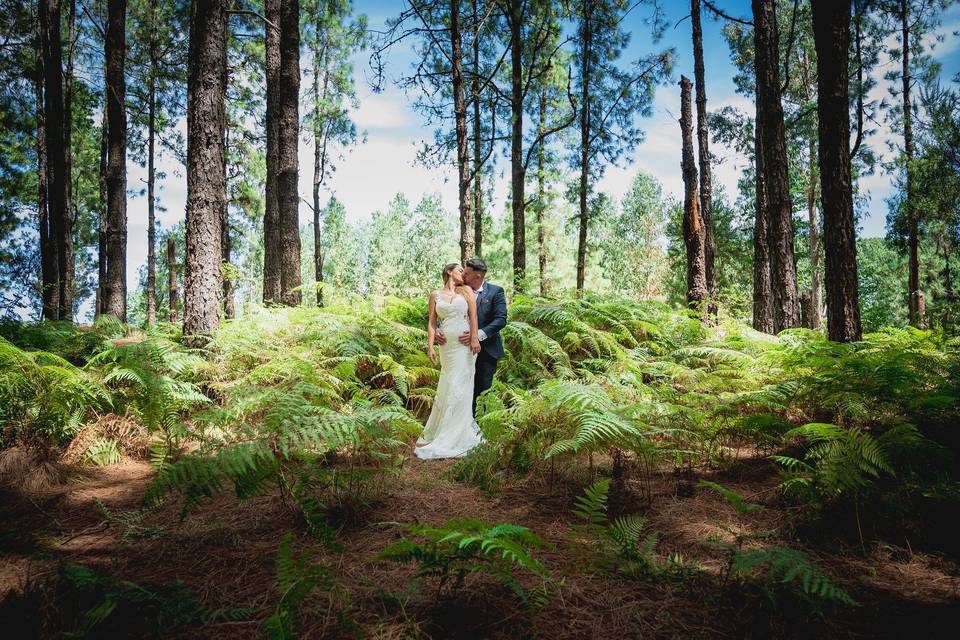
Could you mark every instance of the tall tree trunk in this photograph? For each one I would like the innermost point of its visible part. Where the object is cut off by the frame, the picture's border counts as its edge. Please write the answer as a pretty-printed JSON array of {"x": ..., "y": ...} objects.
[
  {"x": 320, "y": 60},
  {"x": 947, "y": 278},
  {"x": 477, "y": 130},
  {"x": 66, "y": 266},
  {"x": 584, "y": 213},
  {"x": 517, "y": 170},
  {"x": 57, "y": 178},
  {"x": 115, "y": 302},
  {"x": 151, "y": 179},
  {"x": 831, "y": 26},
  {"x": 779, "y": 210},
  {"x": 206, "y": 170},
  {"x": 49, "y": 289},
  {"x": 813, "y": 320},
  {"x": 172, "y": 279},
  {"x": 288, "y": 195},
  {"x": 102, "y": 217},
  {"x": 694, "y": 233},
  {"x": 913, "y": 262},
  {"x": 271, "y": 218},
  {"x": 542, "y": 195},
  {"x": 706, "y": 182},
  {"x": 229, "y": 305},
  {"x": 467, "y": 234},
  {"x": 762, "y": 296}
]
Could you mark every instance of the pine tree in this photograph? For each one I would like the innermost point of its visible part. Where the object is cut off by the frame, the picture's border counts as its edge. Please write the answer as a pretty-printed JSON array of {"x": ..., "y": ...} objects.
[
  {"x": 694, "y": 233},
  {"x": 610, "y": 99},
  {"x": 206, "y": 172},
  {"x": 831, "y": 24},
  {"x": 779, "y": 209},
  {"x": 333, "y": 37},
  {"x": 156, "y": 53},
  {"x": 115, "y": 292}
]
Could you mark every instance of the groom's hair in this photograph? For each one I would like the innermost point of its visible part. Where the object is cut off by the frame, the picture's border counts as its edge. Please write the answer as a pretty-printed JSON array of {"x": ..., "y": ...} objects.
[{"x": 477, "y": 264}]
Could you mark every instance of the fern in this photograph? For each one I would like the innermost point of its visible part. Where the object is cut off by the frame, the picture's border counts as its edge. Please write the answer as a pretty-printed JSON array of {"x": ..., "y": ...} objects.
[
  {"x": 591, "y": 507},
  {"x": 295, "y": 578},
  {"x": 464, "y": 546},
  {"x": 632, "y": 553},
  {"x": 43, "y": 398},
  {"x": 786, "y": 566},
  {"x": 145, "y": 376},
  {"x": 736, "y": 500},
  {"x": 108, "y": 605},
  {"x": 840, "y": 462},
  {"x": 102, "y": 452}
]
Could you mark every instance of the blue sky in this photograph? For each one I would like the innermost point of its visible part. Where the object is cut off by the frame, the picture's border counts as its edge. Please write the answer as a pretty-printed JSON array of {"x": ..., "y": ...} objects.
[{"x": 371, "y": 173}]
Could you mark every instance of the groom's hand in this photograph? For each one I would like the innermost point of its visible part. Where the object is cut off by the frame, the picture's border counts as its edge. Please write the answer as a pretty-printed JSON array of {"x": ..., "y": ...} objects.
[
  {"x": 439, "y": 337},
  {"x": 465, "y": 338}
]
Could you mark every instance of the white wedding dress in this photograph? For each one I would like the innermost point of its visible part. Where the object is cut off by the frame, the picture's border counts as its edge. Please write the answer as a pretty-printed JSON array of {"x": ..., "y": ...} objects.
[{"x": 451, "y": 430}]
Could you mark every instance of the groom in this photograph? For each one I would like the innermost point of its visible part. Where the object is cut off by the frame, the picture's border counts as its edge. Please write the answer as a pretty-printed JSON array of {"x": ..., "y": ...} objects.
[{"x": 491, "y": 317}]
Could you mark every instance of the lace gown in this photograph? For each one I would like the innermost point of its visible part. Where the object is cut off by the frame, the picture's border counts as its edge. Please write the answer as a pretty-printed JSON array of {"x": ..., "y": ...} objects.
[{"x": 451, "y": 430}]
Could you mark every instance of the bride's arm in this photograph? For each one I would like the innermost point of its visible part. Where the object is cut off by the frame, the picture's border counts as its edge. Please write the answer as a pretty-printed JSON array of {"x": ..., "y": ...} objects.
[
  {"x": 467, "y": 293},
  {"x": 431, "y": 326}
]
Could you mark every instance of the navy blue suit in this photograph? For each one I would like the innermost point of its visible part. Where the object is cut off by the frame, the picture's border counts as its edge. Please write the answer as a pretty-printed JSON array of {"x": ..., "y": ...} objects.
[{"x": 491, "y": 318}]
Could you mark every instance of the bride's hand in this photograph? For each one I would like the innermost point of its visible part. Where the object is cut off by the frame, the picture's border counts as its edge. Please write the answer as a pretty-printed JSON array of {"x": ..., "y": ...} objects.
[
  {"x": 431, "y": 355},
  {"x": 475, "y": 346}
]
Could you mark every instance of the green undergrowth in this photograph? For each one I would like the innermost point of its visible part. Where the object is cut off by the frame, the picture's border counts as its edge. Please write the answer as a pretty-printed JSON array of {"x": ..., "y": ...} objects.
[{"x": 323, "y": 404}]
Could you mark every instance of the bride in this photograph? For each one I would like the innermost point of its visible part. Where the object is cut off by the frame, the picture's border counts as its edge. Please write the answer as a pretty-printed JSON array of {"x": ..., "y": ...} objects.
[{"x": 451, "y": 430}]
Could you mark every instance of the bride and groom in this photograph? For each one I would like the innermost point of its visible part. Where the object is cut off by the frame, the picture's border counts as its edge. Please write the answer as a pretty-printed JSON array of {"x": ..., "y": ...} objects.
[{"x": 465, "y": 319}]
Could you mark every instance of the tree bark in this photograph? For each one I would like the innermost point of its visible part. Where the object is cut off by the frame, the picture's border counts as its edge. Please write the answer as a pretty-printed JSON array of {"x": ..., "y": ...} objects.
[
  {"x": 115, "y": 301},
  {"x": 467, "y": 233},
  {"x": 206, "y": 169},
  {"x": 831, "y": 26},
  {"x": 584, "y": 213},
  {"x": 320, "y": 60},
  {"x": 102, "y": 217},
  {"x": 542, "y": 196},
  {"x": 66, "y": 259},
  {"x": 288, "y": 196},
  {"x": 762, "y": 296},
  {"x": 517, "y": 170},
  {"x": 151, "y": 180},
  {"x": 57, "y": 179},
  {"x": 947, "y": 279},
  {"x": 229, "y": 305},
  {"x": 49, "y": 289},
  {"x": 779, "y": 209},
  {"x": 271, "y": 219},
  {"x": 703, "y": 141},
  {"x": 804, "y": 302},
  {"x": 694, "y": 233},
  {"x": 477, "y": 131},
  {"x": 814, "y": 319},
  {"x": 172, "y": 279},
  {"x": 915, "y": 301}
]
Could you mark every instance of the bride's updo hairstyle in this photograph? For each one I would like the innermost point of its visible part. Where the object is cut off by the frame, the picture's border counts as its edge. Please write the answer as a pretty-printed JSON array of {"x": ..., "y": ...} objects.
[{"x": 447, "y": 270}]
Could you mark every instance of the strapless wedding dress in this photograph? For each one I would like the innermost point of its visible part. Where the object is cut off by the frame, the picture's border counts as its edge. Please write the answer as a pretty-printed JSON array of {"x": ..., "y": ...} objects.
[{"x": 451, "y": 430}]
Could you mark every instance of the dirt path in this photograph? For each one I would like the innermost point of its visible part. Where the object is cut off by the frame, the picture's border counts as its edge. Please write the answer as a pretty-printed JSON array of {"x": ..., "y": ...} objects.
[{"x": 224, "y": 552}]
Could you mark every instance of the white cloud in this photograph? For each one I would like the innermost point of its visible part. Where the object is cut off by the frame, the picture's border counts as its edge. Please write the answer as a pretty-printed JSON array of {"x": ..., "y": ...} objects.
[
  {"x": 383, "y": 111},
  {"x": 371, "y": 174}
]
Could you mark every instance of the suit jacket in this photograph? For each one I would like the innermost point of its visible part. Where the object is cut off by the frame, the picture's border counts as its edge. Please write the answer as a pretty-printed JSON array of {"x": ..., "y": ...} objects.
[{"x": 491, "y": 318}]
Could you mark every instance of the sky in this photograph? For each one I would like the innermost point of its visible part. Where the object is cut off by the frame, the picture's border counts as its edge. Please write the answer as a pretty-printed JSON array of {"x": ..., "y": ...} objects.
[{"x": 371, "y": 173}]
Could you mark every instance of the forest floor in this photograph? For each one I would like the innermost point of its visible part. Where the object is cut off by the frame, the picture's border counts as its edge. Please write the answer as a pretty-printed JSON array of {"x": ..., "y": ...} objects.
[{"x": 224, "y": 553}]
